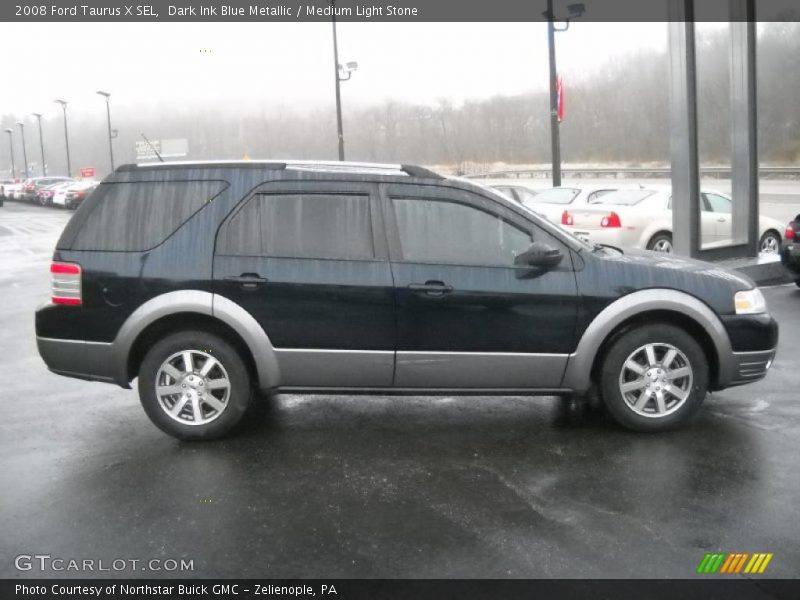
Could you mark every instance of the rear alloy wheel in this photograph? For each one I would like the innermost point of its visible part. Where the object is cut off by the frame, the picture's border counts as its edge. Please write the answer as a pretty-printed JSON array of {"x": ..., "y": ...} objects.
[
  {"x": 654, "y": 378},
  {"x": 770, "y": 243},
  {"x": 194, "y": 385},
  {"x": 661, "y": 242}
]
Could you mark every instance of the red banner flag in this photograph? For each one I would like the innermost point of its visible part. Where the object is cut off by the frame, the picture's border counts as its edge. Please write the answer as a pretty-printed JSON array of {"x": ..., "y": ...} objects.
[{"x": 560, "y": 96}]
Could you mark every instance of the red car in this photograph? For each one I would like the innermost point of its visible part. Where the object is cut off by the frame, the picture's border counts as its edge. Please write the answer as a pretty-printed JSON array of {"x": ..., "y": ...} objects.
[{"x": 33, "y": 184}]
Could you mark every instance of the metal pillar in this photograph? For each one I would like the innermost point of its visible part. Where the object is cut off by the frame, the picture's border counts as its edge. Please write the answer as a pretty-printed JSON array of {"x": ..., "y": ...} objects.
[
  {"x": 683, "y": 122},
  {"x": 744, "y": 125}
]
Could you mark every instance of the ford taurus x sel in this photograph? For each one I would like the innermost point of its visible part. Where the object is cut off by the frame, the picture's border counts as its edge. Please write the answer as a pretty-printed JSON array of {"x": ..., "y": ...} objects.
[{"x": 207, "y": 282}]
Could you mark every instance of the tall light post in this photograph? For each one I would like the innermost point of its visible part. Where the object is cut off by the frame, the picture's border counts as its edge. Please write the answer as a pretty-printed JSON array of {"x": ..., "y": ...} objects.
[
  {"x": 10, "y": 133},
  {"x": 24, "y": 151},
  {"x": 107, "y": 96},
  {"x": 63, "y": 104},
  {"x": 342, "y": 73},
  {"x": 575, "y": 11},
  {"x": 41, "y": 142}
]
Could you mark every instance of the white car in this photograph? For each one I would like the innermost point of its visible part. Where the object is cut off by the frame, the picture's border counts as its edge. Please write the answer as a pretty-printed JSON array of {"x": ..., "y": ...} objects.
[
  {"x": 11, "y": 190},
  {"x": 517, "y": 193},
  {"x": 642, "y": 218},
  {"x": 552, "y": 202},
  {"x": 72, "y": 194}
]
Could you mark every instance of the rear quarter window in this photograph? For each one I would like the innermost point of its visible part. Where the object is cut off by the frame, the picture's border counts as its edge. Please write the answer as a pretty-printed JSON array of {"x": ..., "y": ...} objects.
[{"x": 136, "y": 216}]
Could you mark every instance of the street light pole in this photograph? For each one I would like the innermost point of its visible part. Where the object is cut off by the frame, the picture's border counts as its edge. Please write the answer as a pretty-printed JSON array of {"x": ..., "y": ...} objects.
[
  {"x": 63, "y": 104},
  {"x": 10, "y": 133},
  {"x": 575, "y": 11},
  {"x": 41, "y": 143},
  {"x": 110, "y": 136},
  {"x": 339, "y": 130},
  {"x": 24, "y": 151}
]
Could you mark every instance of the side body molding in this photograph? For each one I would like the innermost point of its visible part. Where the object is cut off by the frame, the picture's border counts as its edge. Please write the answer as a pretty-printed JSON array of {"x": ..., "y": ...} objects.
[
  {"x": 578, "y": 373},
  {"x": 204, "y": 303}
]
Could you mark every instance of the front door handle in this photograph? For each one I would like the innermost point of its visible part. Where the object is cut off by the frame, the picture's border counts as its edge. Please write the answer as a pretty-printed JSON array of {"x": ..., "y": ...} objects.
[
  {"x": 247, "y": 280},
  {"x": 431, "y": 288},
  {"x": 721, "y": 220}
]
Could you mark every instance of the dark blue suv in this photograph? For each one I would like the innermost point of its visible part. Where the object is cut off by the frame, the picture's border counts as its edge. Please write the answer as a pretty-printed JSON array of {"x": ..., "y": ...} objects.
[{"x": 209, "y": 281}]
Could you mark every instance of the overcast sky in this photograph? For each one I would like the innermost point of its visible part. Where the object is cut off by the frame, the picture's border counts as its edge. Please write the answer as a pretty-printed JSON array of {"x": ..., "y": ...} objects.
[{"x": 250, "y": 65}]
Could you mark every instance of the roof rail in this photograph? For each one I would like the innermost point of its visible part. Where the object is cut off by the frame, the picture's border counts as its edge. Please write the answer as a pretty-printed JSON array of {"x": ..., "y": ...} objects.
[{"x": 410, "y": 170}]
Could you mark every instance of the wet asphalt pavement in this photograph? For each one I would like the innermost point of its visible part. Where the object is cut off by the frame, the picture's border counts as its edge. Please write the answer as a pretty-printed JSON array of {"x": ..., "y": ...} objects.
[{"x": 384, "y": 486}]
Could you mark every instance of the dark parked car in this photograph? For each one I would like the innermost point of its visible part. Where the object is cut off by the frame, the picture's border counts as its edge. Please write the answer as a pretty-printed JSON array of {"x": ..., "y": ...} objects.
[
  {"x": 790, "y": 249},
  {"x": 210, "y": 280}
]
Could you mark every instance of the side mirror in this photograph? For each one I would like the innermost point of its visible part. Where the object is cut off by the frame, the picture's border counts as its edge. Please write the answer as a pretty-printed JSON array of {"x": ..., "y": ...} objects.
[{"x": 539, "y": 255}]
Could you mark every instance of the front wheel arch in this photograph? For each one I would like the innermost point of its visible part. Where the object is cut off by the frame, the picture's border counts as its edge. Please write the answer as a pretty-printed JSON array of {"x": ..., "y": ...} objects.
[{"x": 669, "y": 318}]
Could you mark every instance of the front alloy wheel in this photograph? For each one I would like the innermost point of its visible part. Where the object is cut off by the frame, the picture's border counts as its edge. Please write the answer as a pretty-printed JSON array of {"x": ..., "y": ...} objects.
[
  {"x": 653, "y": 377},
  {"x": 656, "y": 380}
]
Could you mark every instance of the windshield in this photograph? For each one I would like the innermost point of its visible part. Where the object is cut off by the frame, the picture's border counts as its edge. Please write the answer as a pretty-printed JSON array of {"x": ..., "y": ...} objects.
[
  {"x": 555, "y": 196},
  {"x": 623, "y": 197}
]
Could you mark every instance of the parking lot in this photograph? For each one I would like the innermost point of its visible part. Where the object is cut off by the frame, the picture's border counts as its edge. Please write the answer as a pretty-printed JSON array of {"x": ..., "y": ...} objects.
[{"x": 366, "y": 486}]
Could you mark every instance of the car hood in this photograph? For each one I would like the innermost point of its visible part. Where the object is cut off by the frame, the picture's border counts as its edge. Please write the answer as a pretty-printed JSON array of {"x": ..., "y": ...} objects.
[{"x": 685, "y": 266}]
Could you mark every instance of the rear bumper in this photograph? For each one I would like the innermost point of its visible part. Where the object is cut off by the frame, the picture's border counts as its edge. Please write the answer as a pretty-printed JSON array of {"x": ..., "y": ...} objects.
[
  {"x": 751, "y": 366},
  {"x": 93, "y": 361}
]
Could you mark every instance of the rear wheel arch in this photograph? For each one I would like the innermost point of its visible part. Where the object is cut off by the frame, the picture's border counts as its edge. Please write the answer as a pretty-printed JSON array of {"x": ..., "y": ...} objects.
[
  {"x": 656, "y": 234},
  {"x": 185, "y": 309},
  {"x": 186, "y": 321}
]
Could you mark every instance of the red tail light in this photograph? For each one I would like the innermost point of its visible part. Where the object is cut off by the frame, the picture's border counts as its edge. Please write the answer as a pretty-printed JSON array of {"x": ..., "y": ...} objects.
[
  {"x": 612, "y": 220},
  {"x": 566, "y": 218},
  {"x": 789, "y": 233},
  {"x": 66, "y": 283}
]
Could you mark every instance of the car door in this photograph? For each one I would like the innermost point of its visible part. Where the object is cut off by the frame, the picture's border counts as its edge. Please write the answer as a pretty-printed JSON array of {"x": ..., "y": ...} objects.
[
  {"x": 720, "y": 209},
  {"x": 467, "y": 317},
  {"x": 308, "y": 260}
]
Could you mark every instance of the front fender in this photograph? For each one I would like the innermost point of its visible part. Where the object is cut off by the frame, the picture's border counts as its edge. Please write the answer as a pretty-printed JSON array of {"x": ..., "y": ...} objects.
[{"x": 579, "y": 364}]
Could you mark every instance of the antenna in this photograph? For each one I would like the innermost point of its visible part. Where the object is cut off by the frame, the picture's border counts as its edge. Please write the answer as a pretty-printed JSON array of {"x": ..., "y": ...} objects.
[{"x": 153, "y": 148}]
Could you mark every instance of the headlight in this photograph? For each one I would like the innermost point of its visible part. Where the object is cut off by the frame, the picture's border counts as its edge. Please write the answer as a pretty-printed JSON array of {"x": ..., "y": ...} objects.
[{"x": 750, "y": 302}]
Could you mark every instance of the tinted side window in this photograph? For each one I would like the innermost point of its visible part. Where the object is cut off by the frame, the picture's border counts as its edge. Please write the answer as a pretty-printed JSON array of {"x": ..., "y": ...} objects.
[
  {"x": 301, "y": 226},
  {"x": 139, "y": 216},
  {"x": 435, "y": 231}
]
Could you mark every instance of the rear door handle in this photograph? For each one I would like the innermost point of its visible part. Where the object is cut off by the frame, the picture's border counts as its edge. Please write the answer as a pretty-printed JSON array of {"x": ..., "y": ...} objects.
[
  {"x": 721, "y": 220},
  {"x": 431, "y": 288},
  {"x": 247, "y": 280}
]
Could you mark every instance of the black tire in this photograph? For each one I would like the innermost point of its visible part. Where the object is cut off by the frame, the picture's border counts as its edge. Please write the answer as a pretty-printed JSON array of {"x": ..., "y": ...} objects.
[
  {"x": 797, "y": 282},
  {"x": 240, "y": 391},
  {"x": 659, "y": 239},
  {"x": 773, "y": 235},
  {"x": 618, "y": 354}
]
